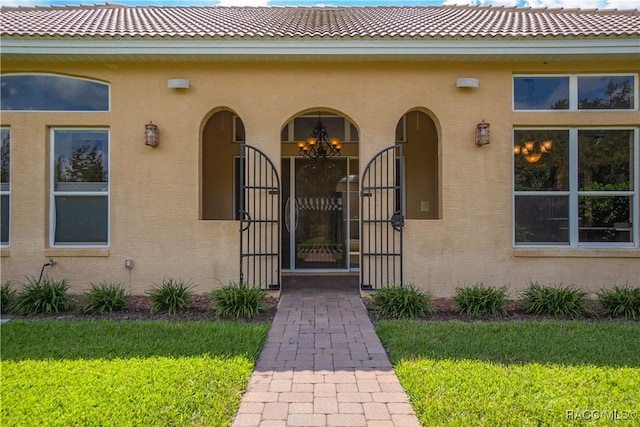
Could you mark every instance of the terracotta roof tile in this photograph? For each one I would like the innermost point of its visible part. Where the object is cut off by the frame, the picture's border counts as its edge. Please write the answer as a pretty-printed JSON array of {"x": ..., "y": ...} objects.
[{"x": 313, "y": 22}]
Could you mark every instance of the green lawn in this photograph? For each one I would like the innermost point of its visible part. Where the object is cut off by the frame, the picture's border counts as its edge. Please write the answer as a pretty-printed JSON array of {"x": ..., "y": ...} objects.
[
  {"x": 156, "y": 373},
  {"x": 518, "y": 373},
  {"x": 143, "y": 373}
]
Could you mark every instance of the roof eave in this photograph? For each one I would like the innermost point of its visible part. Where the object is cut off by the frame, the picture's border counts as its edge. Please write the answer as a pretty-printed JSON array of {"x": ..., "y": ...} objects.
[{"x": 195, "y": 49}]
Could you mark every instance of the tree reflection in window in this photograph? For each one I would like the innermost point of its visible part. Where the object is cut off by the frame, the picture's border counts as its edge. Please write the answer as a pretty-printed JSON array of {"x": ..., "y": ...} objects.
[
  {"x": 605, "y": 93},
  {"x": 85, "y": 164}
]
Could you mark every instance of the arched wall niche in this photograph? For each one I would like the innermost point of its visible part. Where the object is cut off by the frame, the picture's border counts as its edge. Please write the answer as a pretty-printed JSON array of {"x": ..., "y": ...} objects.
[
  {"x": 418, "y": 131},
  {"x": 222, "y": 133}
]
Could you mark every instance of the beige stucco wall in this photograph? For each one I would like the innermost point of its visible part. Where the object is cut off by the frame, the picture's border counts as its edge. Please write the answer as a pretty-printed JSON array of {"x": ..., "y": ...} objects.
[{"x": 155, "y": 192}]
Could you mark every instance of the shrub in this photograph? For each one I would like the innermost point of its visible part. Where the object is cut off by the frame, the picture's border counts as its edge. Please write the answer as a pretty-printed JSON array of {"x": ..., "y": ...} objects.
[
  {"x": 621, "y": 301},
  {"x": 105, "y": 297},
  {"x": 7, "y": 296},
  {"x": 45, "y": 296},
  {"x": 172, "y": 295},
  {"x": 239, "y": 300},
  {"x": 479, "y": 300},
  {"x": 556, "y": 300},
  {"x": 402, "y": 302}
]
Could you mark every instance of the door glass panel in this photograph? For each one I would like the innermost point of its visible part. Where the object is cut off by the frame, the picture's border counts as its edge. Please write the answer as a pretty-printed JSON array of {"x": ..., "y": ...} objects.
[
  {"x": 287, "y": 225},
  {"x": 320, "y": 223},
  {"x": 353, "y": 214}
]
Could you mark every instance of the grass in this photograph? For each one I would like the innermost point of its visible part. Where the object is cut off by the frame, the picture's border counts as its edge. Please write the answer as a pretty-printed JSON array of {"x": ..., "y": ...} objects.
[
  {"x": 142, "y": 373},
  {"x": 516, "y": 373}
]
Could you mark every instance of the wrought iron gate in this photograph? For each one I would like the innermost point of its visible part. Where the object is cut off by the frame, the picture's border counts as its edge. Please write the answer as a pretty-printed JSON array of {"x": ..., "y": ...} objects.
[
  {"x": 259, "y": 219},
  {"x": 382, "y": 213}
]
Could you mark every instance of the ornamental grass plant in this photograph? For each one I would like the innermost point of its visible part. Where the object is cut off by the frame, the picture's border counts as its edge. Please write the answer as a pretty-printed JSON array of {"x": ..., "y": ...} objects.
[
  {"x": 7, "y": 295},
  {"x": 239, "y": 300},
  {"x": 479, "y": 300},
  {"x": 402, "y": 302},
  {"x": 105, "y": 298},
  {"x": 172, "y": 295},
  {"x": 555, "y": 300},
  {"x": 44, "y": 296},
  {"x": 621, "y": 301}
]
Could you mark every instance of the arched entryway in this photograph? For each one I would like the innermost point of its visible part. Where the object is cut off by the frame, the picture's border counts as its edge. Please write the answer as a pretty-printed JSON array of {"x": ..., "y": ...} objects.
[{"x": 320, "y": 199}]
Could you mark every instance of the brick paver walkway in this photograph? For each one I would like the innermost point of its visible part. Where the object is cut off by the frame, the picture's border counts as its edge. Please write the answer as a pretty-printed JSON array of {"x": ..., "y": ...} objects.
[{"x": 323, "y": 365}]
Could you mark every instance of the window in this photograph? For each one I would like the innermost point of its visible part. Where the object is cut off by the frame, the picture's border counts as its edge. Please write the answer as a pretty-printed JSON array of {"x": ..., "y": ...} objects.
[
  {"x": 575, "y": 92},
  {"x": 80, "y": 190},
  {"x": 575, "y": 187},
  {"x": 5, "y": 189},
  {"x": 42, "y": 92}
]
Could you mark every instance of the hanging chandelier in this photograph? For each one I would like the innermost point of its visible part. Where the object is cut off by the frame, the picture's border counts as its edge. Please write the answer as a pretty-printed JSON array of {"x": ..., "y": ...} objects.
[
  {"x": 319, "y": 146},
  {"x": 531, "y": 151}
]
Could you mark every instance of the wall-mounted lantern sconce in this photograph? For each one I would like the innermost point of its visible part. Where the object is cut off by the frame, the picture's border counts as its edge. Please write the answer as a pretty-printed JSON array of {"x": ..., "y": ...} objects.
[
  {"x": 482, "y": 134},
  {"x": 151, "y": 135},
  {"x": 178, "y": 84}
]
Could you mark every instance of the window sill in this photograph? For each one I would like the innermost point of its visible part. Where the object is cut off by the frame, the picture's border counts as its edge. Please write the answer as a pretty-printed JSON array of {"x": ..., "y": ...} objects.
[
  {"x": 76, "y": 252},
  {"x": 577, "y": 252}
]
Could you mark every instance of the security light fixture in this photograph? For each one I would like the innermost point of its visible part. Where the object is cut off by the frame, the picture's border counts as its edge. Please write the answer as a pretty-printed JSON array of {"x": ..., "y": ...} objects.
[{"x": 178, "y": 84}]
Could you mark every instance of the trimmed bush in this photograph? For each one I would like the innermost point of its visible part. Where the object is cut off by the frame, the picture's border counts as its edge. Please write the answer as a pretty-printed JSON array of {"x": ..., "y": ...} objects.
[
  {"x": 172, "y": 295},
  {"x": 621, "y": 301},
  {"x": 239, "y": 300},
  {"x": 479, "y": 300},
  {"x": 105, "y": 297},
  {"x": 402, "y": 302},
  {"x": 46, "y": 296},
  {"x": 7, "y": 295},
  {"x": 558, "y": 300}
]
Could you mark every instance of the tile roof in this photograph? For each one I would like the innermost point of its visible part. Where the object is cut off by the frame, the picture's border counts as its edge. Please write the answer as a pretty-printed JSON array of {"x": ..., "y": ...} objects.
[{"x": 117, "y": 21}]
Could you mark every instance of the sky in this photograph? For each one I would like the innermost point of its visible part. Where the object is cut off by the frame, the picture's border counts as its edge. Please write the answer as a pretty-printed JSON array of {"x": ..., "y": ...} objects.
[{"x": 567, "y": 4}]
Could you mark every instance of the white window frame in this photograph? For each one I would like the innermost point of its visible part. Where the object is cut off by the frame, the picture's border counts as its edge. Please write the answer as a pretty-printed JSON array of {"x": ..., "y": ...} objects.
[
  {"x": 573, "y": 92},
  {"x": 7, "y": 192},
  {"x": 574, "y": 193},
  {"x": 53, "y": 193}
]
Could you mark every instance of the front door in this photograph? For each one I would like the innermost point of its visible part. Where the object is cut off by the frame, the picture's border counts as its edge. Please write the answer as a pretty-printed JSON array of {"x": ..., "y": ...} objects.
[{"x": 320, "y": 212}]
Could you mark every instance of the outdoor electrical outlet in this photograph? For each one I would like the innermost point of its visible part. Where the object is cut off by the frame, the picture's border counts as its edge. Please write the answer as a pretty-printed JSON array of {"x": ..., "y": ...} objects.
[
  {"x": 128, "y": 264},
  {"x": 424, "y": 206}
]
